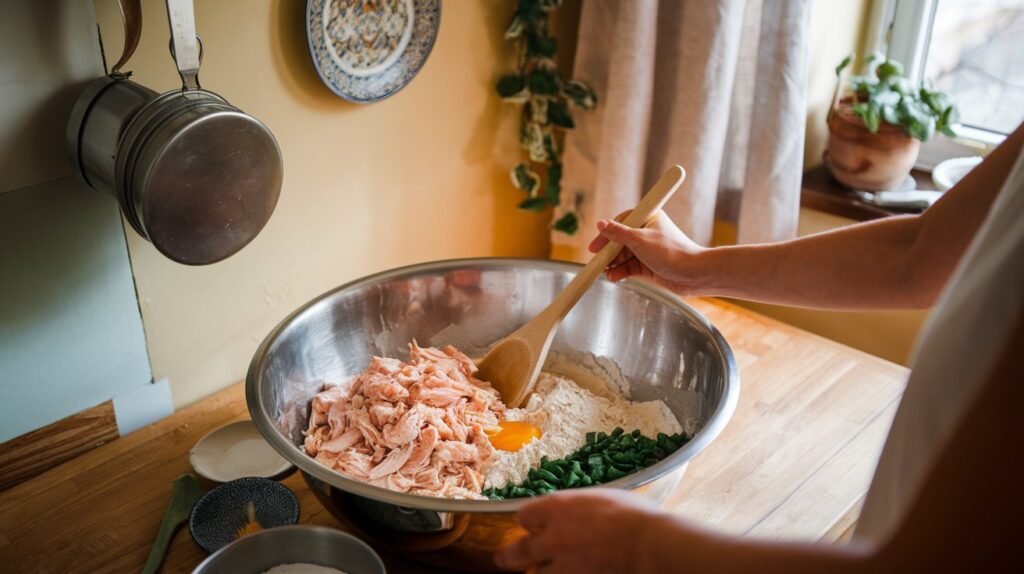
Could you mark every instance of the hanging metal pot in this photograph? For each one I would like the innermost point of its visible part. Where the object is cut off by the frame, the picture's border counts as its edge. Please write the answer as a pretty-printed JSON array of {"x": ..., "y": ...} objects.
[{"x": 196, "y": 176}]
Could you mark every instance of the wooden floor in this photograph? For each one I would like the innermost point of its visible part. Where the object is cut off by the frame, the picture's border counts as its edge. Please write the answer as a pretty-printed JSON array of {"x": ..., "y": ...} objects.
[{"x": 794, "y": 461}]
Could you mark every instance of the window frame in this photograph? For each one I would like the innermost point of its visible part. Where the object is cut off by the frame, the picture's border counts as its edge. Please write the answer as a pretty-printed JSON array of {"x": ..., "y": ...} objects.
[{"x": 902, "y": 30}]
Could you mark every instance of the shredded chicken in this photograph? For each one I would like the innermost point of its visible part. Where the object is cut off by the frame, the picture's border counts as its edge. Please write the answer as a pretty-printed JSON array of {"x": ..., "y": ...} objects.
[{"x": 412, "y": 427}]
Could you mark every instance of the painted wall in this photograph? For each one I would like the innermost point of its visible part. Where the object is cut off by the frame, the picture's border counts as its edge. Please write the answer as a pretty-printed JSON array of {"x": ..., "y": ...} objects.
[
  {"x": 419, "y": 176},
  {"x": 70, "y": 331},
  {"x": 48, "y": 49}
]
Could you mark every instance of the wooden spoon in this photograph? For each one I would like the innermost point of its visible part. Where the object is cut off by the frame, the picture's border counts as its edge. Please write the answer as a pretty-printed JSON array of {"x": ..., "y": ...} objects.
[{"x": 513, "y": 365}]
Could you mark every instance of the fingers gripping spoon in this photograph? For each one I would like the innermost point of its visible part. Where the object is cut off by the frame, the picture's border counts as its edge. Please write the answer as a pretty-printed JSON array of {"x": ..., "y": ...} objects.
[{"x": 513, "y": 365}]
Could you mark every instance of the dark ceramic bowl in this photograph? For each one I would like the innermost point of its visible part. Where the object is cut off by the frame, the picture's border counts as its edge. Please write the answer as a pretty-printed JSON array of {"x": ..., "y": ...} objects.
[{"x": 218, "y": 515}]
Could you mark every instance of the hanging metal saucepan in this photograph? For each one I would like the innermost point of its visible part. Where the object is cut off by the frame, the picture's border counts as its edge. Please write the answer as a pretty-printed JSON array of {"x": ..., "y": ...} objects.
[{"x": 193, "y": 174}]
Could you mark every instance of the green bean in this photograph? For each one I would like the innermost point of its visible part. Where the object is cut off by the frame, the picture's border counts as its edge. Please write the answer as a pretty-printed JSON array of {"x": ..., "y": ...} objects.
[
  {"x": 605, "y": 457},
  {"x": 541, "y": 483},
  {"x": 614, "y": 473},
  {"x": 554, "y": 469},
  {"x": 547, "y": 475},
  {"x": 623, "y": 457}
]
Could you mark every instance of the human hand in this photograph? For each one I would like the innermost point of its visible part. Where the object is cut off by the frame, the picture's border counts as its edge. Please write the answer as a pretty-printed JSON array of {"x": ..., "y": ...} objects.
[
  {"x": 585, "y": 531},
  {"x": 660, "y": 253}
]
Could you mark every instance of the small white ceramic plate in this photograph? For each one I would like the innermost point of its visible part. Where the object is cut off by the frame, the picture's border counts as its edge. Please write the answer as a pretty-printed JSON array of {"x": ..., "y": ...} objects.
[
  {"x": 947, "y": 173},
  {"x": 235, "y": 451}
]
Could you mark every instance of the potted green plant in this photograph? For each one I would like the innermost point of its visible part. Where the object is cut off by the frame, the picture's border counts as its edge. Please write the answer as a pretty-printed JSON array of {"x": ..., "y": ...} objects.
[{"x": 878, "y": 121}]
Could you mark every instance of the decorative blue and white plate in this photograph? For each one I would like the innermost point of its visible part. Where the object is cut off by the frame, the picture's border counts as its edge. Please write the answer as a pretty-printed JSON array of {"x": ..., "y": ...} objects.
[{"x": 366, "y": 50}]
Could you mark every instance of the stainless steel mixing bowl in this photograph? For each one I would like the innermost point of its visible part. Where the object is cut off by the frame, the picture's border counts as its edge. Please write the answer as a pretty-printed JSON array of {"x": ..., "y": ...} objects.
[
  {"x": 635, "y": 334},
  {"x": 259, "y": 552}
]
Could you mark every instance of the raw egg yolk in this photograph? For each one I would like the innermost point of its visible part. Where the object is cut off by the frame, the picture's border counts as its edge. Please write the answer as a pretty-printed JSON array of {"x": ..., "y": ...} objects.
[{"x": 513, "y": 435}]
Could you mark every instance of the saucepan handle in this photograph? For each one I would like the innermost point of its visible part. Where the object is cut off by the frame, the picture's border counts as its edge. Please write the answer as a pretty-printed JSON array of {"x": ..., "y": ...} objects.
[
  {"x": 131, "y": 17},
  {"x": 186, "y": 48}
]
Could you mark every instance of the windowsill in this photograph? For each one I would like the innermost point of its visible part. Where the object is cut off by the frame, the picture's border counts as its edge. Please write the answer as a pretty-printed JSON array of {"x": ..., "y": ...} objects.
[{"x": 822, "y": 193}]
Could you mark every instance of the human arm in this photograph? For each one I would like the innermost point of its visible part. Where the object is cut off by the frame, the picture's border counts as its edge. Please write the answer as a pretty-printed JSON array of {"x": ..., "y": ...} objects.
[
  {"x": 965, "y": 517},
  {"x": 895, "y": 262}
]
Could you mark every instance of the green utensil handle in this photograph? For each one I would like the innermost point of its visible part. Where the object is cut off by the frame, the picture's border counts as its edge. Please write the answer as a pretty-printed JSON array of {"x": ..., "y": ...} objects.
[{"x": 184, "y": 495}]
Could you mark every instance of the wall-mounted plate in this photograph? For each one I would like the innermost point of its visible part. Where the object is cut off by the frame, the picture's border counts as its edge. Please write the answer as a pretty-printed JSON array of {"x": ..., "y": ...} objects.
[{"x": 366, "y": 50}]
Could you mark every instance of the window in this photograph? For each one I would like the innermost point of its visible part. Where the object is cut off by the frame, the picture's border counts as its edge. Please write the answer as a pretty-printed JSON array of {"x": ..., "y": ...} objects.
[{"x": 971, "y": 49}]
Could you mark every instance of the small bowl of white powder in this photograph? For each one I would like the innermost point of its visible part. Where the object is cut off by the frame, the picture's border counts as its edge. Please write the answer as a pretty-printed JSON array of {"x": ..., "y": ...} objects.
[{"x": 294, "y": 550}]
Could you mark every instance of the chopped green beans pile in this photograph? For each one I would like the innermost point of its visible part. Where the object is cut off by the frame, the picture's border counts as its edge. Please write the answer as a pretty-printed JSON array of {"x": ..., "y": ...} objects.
[{"x": 606, "y": 457}]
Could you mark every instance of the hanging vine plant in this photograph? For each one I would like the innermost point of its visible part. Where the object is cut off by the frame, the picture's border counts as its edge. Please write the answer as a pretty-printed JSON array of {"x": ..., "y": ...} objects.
[{"x": 546, "y": 97}]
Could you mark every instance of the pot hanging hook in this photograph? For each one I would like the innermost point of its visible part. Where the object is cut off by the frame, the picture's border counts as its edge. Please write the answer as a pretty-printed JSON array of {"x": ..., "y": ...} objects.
[{"x": 186, "y": 47}]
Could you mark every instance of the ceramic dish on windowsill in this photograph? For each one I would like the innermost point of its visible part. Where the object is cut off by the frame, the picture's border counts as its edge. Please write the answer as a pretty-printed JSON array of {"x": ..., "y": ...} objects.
[{"x": 947, "y": 173}]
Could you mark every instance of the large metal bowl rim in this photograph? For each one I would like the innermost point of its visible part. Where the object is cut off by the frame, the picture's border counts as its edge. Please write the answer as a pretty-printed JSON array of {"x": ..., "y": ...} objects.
[{"x": 254, "y": 399}]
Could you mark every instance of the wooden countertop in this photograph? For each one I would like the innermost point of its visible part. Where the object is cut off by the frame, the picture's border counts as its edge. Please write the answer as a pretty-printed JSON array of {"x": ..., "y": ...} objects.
[{"x": 794, "y": 461}]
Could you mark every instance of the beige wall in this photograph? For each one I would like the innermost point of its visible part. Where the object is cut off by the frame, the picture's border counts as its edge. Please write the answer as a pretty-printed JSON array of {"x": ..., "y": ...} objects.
[{"x": 419, "y": 176}]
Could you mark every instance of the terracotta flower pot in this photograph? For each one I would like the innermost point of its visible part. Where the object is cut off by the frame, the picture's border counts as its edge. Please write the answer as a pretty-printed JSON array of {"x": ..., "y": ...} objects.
[{"x": 862, "y": 160}]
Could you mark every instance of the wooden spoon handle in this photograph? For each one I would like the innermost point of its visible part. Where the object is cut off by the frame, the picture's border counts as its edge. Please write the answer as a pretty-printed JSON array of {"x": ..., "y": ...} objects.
[{"x": 642, "y": 214}]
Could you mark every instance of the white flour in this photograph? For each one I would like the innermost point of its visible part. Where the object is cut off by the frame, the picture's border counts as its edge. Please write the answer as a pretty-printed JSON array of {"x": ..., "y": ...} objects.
[
  {"x": 302, "y": 569},
  {"x": 565, "y": 413}
]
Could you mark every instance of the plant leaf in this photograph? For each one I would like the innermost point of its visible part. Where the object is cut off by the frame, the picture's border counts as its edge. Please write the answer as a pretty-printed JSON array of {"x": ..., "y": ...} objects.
[
  {"x": 553, "y": 187},
  {"x": 542, "y": 82},
  {"x": 872, "y": 117},
  {"x": 538, "y": 203},
  {"x": 863, "y": 85},
  {"x": 512, "y": 88},
  {"x": 568, "y": 224},
  {"x": 550, "y": 5},
  {"x": 950, "y": 115},
  {"x": 889, "y": 68},
  {"x": 525, "y": 179},
  {"x": 890, "y": 115},
  {"x": 542, "y": 46},
  {"x": 550, "y": 146},
  {"x": 871, "y": 62},
  {"x": 842, "y": 65},
  {"x": 922, "y": 128},
  {"x": 902, "y": 86},
  {"x": 515, "y": 28},
  {"x": 559, "y": 115},
  {"x": 580, "y": 94}
]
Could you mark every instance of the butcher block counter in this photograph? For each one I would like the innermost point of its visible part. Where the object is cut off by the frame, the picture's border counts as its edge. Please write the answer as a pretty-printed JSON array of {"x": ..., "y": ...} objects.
[{"x": 794, "y": 462}]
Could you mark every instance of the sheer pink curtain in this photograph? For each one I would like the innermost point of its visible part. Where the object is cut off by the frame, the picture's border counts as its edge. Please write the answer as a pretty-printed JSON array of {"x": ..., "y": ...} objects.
[{"x": 717, "y": 86}]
